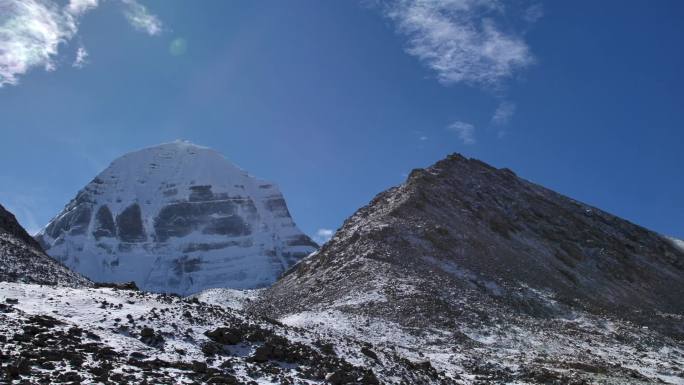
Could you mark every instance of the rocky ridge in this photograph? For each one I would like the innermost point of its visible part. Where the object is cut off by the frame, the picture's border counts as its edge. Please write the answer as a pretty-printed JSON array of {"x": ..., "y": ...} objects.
[
  {"x": 469, "y": 226},
  {"x": 23, "y": 260},
  {"x": 475, "y": 261}
]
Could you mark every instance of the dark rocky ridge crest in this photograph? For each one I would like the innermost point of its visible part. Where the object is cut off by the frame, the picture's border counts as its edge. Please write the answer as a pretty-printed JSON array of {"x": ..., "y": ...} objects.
[
  {"x": 10, "y": 225},
  {"x": 464, "y": 229},
  {"x": 23, "y": 260}
]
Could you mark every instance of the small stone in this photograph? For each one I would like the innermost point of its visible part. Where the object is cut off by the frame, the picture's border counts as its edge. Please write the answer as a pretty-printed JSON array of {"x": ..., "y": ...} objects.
[
  {"x": 199, "y": 367},
  {"x": 368, "y": 352},
  {"x": 210, "y": 348},
  {"x": 147, "y": 332}
]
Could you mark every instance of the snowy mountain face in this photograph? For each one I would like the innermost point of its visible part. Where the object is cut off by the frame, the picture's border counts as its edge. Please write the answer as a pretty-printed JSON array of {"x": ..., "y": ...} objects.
[
  {"x": 177, "y": 218},
  {"x": 23, "y": 260}
]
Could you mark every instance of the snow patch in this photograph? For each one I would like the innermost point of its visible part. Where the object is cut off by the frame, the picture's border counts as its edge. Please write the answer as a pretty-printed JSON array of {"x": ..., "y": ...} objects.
[
  {"x": 678, "y": 243},
  {"x": 229, "y": 298}
]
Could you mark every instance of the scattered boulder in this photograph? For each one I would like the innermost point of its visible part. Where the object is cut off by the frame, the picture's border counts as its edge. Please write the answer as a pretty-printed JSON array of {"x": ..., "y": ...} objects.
[
  {"x": 150, "y": 337},
  {"x": 199, "y": 367},
  {"x": 211, "y": 348},
  {"x": 225, "y": 336},
  {"x": 262, "y": 353},
  {"x": 368, "y": 352},
  {"x": 20, "y": 367},
  {"x": 70, "y": 377},
  {"x": 339, "y": 377},
  {"x": 147, "y": 332},
  {"x": 223, "y": 379},
  {"x": 118, "y": 285}
]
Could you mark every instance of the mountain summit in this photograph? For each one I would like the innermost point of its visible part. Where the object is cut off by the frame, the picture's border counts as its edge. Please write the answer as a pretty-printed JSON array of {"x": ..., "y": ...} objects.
[
  {"x": 462, "y": 232},
  {"x": 179, "y": 218}
]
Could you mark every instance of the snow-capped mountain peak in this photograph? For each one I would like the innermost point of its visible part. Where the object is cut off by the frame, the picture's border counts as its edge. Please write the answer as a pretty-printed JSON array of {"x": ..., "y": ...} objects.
[{"x": 177, "y": 217}]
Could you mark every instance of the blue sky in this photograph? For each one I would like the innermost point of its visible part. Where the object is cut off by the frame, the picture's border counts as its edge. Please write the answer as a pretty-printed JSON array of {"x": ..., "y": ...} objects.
[{"x": 336, "y": 101}]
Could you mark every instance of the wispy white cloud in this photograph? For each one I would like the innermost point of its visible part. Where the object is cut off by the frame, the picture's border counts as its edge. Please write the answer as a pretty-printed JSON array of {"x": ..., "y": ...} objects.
[
  {"x": 460, "y": 39},
  {"x": 32, "y": 31},
  {"x": 79, "y": 7},
  {"x": 465, "y": 131},
  {"x": 81, "y": 57},
  {"x": 323, "y": 235},
  {"x": 30, "y": 34},
  {"x": 503, "y": 113},
  {"x": 533, "y": 13},
  {"x": 141, "y": 19},
  {"x": 420, "y": 135}
]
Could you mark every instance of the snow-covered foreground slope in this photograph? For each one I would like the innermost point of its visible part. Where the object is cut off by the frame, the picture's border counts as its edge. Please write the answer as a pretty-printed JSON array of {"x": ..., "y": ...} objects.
[
  {"x": 113, "y": 336},
  {"x": 177, "y": 218},
  {"x": 107, "y": 335},
  {"x": 503, "y": 348},
  {"x": 490, "y": 344},
  {"x": 110, "y": 335},
  {"x": 229, "y": 298}
]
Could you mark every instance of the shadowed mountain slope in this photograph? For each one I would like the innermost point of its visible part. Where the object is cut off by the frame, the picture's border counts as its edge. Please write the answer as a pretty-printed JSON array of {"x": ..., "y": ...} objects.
[
  {"x": 23, "y": 260},
  {"x": 461, "y": 237}
]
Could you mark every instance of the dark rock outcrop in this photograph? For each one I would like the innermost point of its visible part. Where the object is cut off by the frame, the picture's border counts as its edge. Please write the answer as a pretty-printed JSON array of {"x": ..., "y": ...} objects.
[
  {"x": 23, "y": 260},
  {"x": 10, "y": 226},
  {"x": 104, "y": 223},
  {"x": 129, "y": 224}
]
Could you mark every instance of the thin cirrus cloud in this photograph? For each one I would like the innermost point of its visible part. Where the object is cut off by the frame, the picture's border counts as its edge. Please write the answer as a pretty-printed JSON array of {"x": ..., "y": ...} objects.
[
  {"x": 141, "y": 19},
  {"x": 503, "y": 113},
  {"x": 464, "y": 131},
  {"x": 31, "y": 32},
  {"x": 466, "y": 42},
  {"x": 460, "y": 40},
  {"x": 79, "y": 7},
  {"x": 81, "y": 57}
]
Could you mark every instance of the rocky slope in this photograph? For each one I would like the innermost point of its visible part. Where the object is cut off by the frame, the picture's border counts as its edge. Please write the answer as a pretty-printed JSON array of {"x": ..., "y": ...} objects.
[
  {"x": 115, "y": 334},
  {"x": 497, "y": 277},
  {"x": 177, "y": 218},
  {"x": 23, "y": 260},
  {"x": 61, "y": 335}
]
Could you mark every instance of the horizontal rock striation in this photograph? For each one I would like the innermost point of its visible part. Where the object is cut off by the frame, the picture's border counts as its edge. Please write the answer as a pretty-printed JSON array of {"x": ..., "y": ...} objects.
[{"x": 177, "y": 218}]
